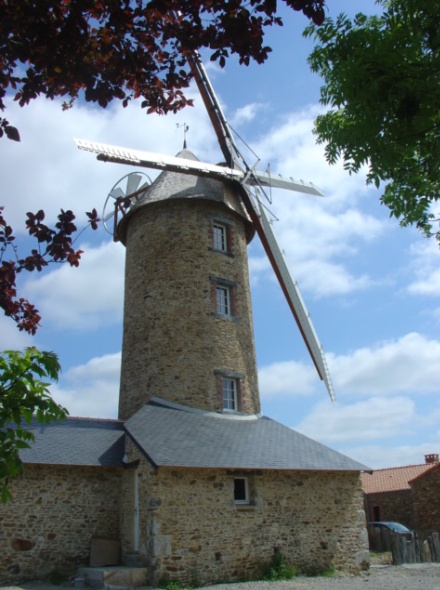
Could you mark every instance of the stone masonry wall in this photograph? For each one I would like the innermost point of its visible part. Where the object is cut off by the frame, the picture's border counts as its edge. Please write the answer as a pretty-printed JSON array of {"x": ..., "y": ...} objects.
[
  {"x": 393, "y": 506},
  {"x": 55, "y": 512},
  {"x": 174, "y": 342},
  {"x": 192, "y": 531},
  {"x": 426, "y": 498}
]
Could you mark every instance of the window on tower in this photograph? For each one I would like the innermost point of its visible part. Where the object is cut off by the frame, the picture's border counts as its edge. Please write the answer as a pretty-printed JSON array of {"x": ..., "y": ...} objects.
[
  {"x": 224, "y": 297},
  {"x": 221, "y": 232},
  {"x": 229, "y": 385},
  {"x": 223, "y": 300},
  {"x": 220, "y": 242},
  {"x": 229, "y": 389}
]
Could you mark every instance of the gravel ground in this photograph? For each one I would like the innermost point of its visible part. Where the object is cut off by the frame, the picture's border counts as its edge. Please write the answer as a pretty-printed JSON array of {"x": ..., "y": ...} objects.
[
  {"x": 378, "y": 578},
  {"x": 408, "y": 577}
]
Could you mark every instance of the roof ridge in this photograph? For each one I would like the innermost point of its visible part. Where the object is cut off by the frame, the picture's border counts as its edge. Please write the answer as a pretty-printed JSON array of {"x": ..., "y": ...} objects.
[
  {"x": 93, "y": 418},
  {"x": 403, "y": 467}
]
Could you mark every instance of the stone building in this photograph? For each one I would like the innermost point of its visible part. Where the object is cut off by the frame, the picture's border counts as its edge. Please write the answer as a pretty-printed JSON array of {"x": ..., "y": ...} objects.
[
  {"x": 426, "y": 499},
  {"x": 191, "y": 481},
  {"x": 392, "y": 494}
]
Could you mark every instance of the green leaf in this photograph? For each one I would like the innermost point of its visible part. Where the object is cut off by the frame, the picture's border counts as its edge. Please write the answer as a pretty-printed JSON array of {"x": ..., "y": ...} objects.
[
  {"x": 24, "y": 397},
  {"x": 381, "y": 79}
]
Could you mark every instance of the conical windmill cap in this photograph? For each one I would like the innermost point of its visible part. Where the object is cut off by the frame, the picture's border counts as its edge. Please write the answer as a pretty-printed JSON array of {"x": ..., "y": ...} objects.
[{"x": 177, "y": 185}]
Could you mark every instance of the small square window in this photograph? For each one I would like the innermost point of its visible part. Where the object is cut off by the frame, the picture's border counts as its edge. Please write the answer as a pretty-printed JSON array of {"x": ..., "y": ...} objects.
[
  {"x": 220, "y": 241},
  {"x": 229, "y": 387},
  {"x": 223, "y": 300},
  {"x": 241, "y": 492}
]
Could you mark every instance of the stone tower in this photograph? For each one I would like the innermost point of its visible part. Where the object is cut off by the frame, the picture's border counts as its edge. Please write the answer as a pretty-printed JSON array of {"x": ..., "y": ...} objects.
[{"x": 188, "y": 330}]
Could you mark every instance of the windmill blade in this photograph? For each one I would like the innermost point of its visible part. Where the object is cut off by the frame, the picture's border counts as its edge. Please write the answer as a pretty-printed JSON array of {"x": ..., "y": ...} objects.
[
  {"x": 117, "y": 193},
  {"x": 294, "y": 299},
  {"x": 121, "y": 197},
  {"x": 144, "y": 186},
  {"x": 133, "y": 182},
  {"x": 277, "y": 181},
  {"x": 213, "y": 108},
  {"x": 143, "y": 159}
]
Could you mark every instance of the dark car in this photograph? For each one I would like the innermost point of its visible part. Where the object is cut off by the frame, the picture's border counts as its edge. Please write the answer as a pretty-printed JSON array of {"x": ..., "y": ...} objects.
[{"x": 396, "y": 527}]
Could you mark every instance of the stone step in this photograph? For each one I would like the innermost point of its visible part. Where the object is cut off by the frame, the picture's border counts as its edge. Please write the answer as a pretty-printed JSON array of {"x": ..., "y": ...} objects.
[{"x": 111, "y": 577}]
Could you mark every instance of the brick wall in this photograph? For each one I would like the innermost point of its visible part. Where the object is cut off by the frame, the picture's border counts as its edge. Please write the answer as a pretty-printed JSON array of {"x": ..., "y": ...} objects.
[
  {"x": 173, "y": 340},
  {"x": 426, "y": 499},
  {"x": 49, "y": 524},
  {"x": 192, "y": 531}
]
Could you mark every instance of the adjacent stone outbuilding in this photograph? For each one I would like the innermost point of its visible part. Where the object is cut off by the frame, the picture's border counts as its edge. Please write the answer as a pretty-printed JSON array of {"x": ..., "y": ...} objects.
[
  {"x": 70, "y": 492},
  {"x": 391, "y": 496},
  {"x": 426, "y": 499},
  {"x": 195, "y": 496}
]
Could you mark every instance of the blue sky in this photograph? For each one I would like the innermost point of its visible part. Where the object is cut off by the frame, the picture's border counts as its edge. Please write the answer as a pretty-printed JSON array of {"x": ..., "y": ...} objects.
[{"x": 372, "y": 288}]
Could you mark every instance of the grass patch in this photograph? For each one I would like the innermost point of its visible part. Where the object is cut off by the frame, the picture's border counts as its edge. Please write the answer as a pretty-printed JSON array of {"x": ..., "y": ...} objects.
[
  {"x": 278, "y": 569},
  {"x": 329, "y": 572},
  {"x": 173, "y": 585}
]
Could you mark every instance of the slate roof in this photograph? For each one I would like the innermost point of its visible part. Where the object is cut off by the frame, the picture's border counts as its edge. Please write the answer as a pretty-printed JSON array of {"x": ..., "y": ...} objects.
[
  {"x": 178, "y": 185},
  {"x": 76, "y": 441},
  {"x": 394, "y": 479},
  {"x": 175, "y": 185},
  {"x": 178, "y": 436}
]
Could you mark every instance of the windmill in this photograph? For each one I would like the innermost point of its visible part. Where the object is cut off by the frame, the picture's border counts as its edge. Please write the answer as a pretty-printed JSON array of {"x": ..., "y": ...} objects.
[{"x": 250, "y": 184}]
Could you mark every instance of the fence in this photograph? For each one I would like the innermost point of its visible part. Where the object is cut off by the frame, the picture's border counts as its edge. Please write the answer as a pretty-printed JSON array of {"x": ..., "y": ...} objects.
[{"x": 419, "y": 547}]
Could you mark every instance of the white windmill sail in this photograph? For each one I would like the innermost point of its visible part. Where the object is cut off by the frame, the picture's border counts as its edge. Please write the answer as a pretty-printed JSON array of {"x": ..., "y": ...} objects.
[
  {"x": 297, "y": 305},
  {"x": 143, "y": 159}
]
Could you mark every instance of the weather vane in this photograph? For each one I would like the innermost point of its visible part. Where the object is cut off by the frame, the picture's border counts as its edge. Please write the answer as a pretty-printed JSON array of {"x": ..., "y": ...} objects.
[{"x": 185, "y": 129}]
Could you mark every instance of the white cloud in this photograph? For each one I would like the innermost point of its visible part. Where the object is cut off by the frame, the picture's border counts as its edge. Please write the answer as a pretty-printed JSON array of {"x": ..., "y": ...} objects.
[
  {"x": 11, "y": 338},
  {"x": 368, "y": 420},
  {"x": 323, "y": 278},
  {"x": 425, "y": 258},
  {"x": 409, "y": 364},
  {"x": 288, "y": 378},
  {"x": 82, "y": 298},
  {"x": 92, "y": 389},
  {"x": 246, "y": 114},
  {"x": 379, "y": 456},
  {"x": 430, "y": 285}
]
